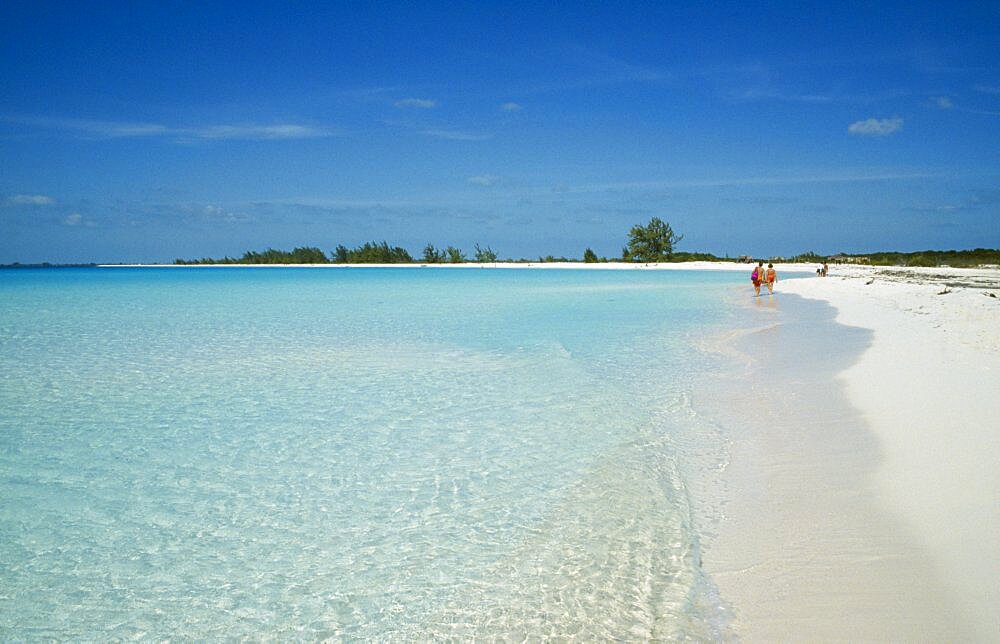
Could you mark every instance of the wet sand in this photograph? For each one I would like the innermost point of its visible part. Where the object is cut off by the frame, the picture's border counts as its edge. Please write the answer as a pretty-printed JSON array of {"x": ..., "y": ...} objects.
[{"x": 860, "y": 503}]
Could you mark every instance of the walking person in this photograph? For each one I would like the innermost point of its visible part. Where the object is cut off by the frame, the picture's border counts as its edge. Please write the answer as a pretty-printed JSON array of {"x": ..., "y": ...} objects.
[
  {"x": 770, "y": 277},
  {"x": 757, "y": 276}
]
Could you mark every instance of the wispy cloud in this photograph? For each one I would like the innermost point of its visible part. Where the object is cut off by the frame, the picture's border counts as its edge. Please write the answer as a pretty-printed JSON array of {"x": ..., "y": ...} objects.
[
  {"x": 575, "y": 67},
  {"x": 101, "y": 129},
  {"x": 262, "y": 132},
  {"x": 724, "y": 182},
  {"x": 758, "y": 94},
  {"x": 213, "y": 212},
  {"x": 420, "y": 103},
  {"x": 803, "y": 80},
  {"x": 510, "y": 107},
  {"x": 116, "y": 129},
  {"x": 29, "y": 200},
  {"x": 370, "y": 94},
  {"x": 614, "y": 69},
  {"x": 876, "y": 127},
  {"x": 485, "y": 180},
  {"x": 75, "y": 219},
  {"x": 977, "y": 201},
  {"x": 946, "y": 103},
  {"x": 454, "y": 135}
]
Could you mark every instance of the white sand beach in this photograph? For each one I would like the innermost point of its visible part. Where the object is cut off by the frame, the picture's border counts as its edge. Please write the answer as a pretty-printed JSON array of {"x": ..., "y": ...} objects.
[{"x": 880, "y": 520}]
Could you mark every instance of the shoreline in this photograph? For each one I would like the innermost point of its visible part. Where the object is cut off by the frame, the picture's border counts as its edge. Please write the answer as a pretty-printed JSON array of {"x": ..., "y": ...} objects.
[
  {"x": 863, "y": 499},
  {"x": 929, "y": 387}
]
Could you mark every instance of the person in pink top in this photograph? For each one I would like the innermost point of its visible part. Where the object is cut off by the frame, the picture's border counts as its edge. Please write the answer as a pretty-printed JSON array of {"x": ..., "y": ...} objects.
[{"x": 757, "y": 277}]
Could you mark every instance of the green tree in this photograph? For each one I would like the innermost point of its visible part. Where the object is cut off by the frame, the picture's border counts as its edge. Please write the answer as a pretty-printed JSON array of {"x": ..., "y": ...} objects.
[
  {"x": 590, "y": 257},
  {"x": 380, "y": 253},
  {"x": 653, "y": 242},
  {"x": 455, "y": 255},
  {"x": 808, "y": 257},
  {"x": 372, "y": 253},
  {"x": 433, "y": 255},
  {"x": 921, "y": 259},
  {"x": 485, "y": 255},
  {"x": 308, "y": 255}
]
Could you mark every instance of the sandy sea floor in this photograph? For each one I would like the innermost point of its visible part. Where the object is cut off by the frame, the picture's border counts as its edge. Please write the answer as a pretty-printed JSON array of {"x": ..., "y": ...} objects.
[{"x": 861, "y": 500}]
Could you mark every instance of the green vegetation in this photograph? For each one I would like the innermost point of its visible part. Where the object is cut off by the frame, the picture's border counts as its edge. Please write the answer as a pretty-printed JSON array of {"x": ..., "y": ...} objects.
[
  {"x": 808, "y": 257},
  {"x": 956, "y": 258},
  {"x": 485, "y": 255},
  {"x": 372, "y": 253},
  {"x": 433, "y": 255},
  {"x": 47, "y": 265},
  {"x": 653, "y": 242},
  {"x": 697, "y": 257},
  {"x": 368, "y": 253},
  {"x": 303, "y": 255}
]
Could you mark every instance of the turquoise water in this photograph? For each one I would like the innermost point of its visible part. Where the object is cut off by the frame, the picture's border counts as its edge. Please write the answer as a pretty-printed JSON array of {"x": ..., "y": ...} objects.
[{"x": 352, "y": 453}]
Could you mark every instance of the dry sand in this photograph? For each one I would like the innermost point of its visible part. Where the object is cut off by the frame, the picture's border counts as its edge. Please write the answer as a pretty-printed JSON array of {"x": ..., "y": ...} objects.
[{"x": 878, "y": 518}]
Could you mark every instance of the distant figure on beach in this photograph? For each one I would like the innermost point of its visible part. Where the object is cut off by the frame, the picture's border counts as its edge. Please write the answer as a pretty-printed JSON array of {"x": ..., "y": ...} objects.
[
  {"x": 771, "y": 277},
  {"x": 823, "y": 274},
  {"x": 757, "y": 276}
]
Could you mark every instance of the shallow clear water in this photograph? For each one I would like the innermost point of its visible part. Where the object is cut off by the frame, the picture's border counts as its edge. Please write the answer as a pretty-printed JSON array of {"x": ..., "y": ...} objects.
[{"x": 344, "y": 453}]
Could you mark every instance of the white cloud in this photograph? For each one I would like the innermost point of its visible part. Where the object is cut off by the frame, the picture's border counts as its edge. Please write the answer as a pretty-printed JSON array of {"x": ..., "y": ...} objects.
[
  {"x": 484, "y": 180},
  {"x": 129, "y": 129},
  {"x": 422, "y": 103},
  {"x": 766, "y": 94},
  {"x": 261, "y": 132},
  {"x": 113, "y": 129},
  {"x": 945, "y": 103},
  {"x": 876, "y": 127},
  {"x": 76, "y": 219},
  {"x": 988, "y": 89},
  {"x": 102, "y": 129},
  {"x": 218, "y": 213},
  {"x": 30, "y": 200},
  {"x": 510, "y": 107},
  {"x": 453, "y": 135},
  {"x": 865, "y": 176}
]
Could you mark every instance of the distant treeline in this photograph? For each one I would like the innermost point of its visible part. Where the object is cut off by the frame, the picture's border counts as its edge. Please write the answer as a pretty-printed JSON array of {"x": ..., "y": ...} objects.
[
  {"x": 304, "y": 255},
  {"x": 956, "y": 258},
  {"x": 47, "y": 265},
  {"x": 383, "y": 253},
  {"x": 368, "y": 253},
  {"x": 929, "y": 258}
]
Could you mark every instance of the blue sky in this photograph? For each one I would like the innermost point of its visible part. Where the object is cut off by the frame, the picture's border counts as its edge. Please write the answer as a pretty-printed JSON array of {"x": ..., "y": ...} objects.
[{"x": 152, "y": 131}]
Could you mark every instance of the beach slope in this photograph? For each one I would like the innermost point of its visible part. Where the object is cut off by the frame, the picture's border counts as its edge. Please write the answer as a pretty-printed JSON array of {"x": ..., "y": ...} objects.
[{"x": 927, "y": 387}]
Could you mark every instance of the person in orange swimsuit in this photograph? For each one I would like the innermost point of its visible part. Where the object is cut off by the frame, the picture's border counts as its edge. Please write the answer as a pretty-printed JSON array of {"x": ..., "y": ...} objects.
[{"x": 771, "y": 276}]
